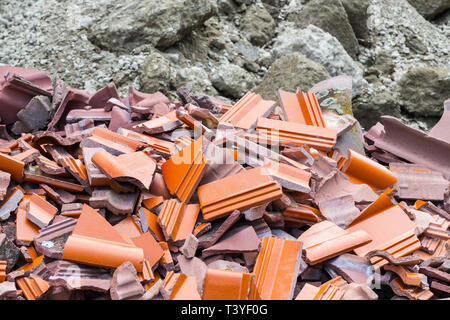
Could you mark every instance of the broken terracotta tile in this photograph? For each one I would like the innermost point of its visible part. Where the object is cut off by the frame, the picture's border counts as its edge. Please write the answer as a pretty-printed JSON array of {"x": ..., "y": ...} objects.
[
  {"x": 117, "y": 203},
  {"x": 360, "y": 169},
  {"x": 250, "y": 188},
  {"x": 247, "y": 110},
  {"x": 13, "y": 166},
  {"x": 352, "y": 268},
  {"x": 164, "y": 123},
  {"x": 435, "y": 274},
  {"x": 177, "y": 219},
  {"x": 11, "y": 203},
  {"x": 125, "y": 284},
  {"x": 403, "y": 261},
  {"x": 408, "y": 278},
  {"x": 341, "y": 211},
  {"x": 239, "y": 240},
  {"x": 412, "y": 293},
  {"x": 194, "y": 267},
  {"x": 325, "y": 240},
  {"x": 276, "y": 269},
  {"x": 111, "y": 142},
  {"x": 357, "y": 291},
  {"x": 33, "y": 174},
  {"x": 301, "y": 107},
  {"x": 184, "y": 171},
  {"x": 300, "y": 214},
  {"x": 418, "y": 182},
  {"x": 135, "y": 167},
  {"x": 50, "y": 240},
  {"x": 40, "y": 212},
  {"x": 288, "y": 176},
  {"x": 189, "y": 246},
  {"x": 210, "y": 238},
  {"x": 297, "y": 134},
  {"x": 94, "y": 241},
  {"x": 152, "y": 250},
  {"x": 226, "y": 285},
  {"x": 32, "y": 288},
  {"x": 440, "y": 129}
]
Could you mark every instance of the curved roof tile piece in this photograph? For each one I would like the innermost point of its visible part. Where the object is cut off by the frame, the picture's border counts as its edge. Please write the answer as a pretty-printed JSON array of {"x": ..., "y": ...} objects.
[
  {"x": 301, "y": 107},
  {"x": 237, "y": 192},
  {"x": 296, "y": 133},
  {"x": 226, "y": 285},
  {"x": 276, "y": 269},
  {"x": 177, "y": 219},
  {"x": 247, "y": 110},
  {"x": 184, "y": 170},
  {"x": 94, "y": 241},
  {"x": 136, "y": 167},
  {"x": 360, "y": 169},
  {"x": 39, "y": 211}
]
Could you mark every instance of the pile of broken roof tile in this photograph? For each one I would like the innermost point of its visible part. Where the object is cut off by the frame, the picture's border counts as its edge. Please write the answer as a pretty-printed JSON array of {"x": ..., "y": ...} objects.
[{"x": 104, "y": 197}]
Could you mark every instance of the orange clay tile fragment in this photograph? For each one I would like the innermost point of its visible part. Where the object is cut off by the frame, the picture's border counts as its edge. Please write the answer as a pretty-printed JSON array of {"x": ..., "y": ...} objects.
[
  {"x": 296, "y": 133},
  {"x": 411, "y": 292},
  {"x": 389, "y": 228},
  {"x": 128, "y": 229},
  {"x": 276, "y": 269},
  {"x": 183, "y": 171},
  {"x": 31, "y": 175},
  {"x": 177, "y": 219},
  {"x": 136, "y": 167},
  {"x": 308, "y": 292},
  {"x": 25, "y": 229},
  {"x": 152, "y": 202},
  {"x": 152, "y": 250},
  {"x": 112, "y": 142},
  {"x": 32, "y": 288},
  {"x": 40, "y": 212},
  {"x": 325, "y": 240},
  {"x": 408, "y": 278},
  {"x": 331, "y": 290},
  {"x": 94, "y": 241},
  {"x": 301, "y": 214},
  {"x": 301, "y": 107},
  {"x": 241, "y": 191},
  {"x": 166, "y": 122},
  {"x": 226, "y": 285},
  {"x": 36, "y": 261},
  {"x": 181, "y": 287},
  {"x": 287, "y": 176},
  {"x": 153, "y": 226},
  {"x": 2, "y": 271},
  {"x": 13, "y": 166},
  {"x": 247, "y": 110},
  {"x": 163, "y": 146},
  {"x": 359, "y": 169}
]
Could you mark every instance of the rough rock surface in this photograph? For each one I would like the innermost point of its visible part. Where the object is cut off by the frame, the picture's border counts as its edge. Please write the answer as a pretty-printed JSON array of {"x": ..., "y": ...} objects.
[
  {"x": 331, "y": 17},
  {"x": 320, "y": 47},
  {"x": 289, "y": 73},
  {"x": 430, "y": 8},
  {"x": 258, "y": 25},
  {"x": 357, "y": 15}
]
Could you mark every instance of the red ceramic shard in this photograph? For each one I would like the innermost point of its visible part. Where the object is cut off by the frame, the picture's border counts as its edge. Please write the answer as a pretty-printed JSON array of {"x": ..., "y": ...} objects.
[
  {"x": 71, "y": 99},
  {"x": 25, "y": 229},
  {"x": 360, "y": 169},
  {"x": 301, "y": 214},
  {"x": 237, "y": 192},
  {"x": 17, "y": 91},
  {"x": 210, "y": 238},
  {"x": 226, "y": 285},
  {"x": 242, "y": 239},
  {"x": 112, "y": 142},
  {"x": 276, "y": 269},
  {"x": 247, "y": 110},
  {"x": 101, "y": 97},
  {"x": 181, "y": 286},
  {"x": 287, "y": 176},
  {"x": 117, "y": 203},
  {"x": 409, "y": 260},
  {"x": 162, "y": 146},
  {"x": 297, "y": 134},
  {"x": 136, "y": 167},
  {"x": 352, "y": 268},
  {"x": 407, "y": 277},
  {"x": 40, "y": 212},
  {"x": 137, "y": 98},
  {"x": 51, "y": 239},
  {"x": 440, "y": 130},
  {"x": 2, "y": 271},
  {"x": 331, "y": 290},
  {"x": 301, "y": 107},
  {"x": 91, "y": 114},
  {"x": 50, "y": 167},
  {"x": 13, "y": 166},
  {"x": 418, "y": 182},
  {"x": 341, "y": 211},
  {"x": 177, "y": 219},
  {"x": 42, "y": 138},
  {"x": 95, "y": 176},
  {"x": 152, "y": 250},
  {"x": 184, "y": 170},
  {"x": 389, "y": 228},
  {"x": 27, "y": 156},
  {"x": 421, "y": 149},
  {"x": 325, "y": 240},
  {"x": 32, "y": 288},
  {"x": 128, "y": 228},
  {"x": 125, "y": 284},
  {"x": 153, "y": 226},
  {"x": 119, "y": 118},
  {"x": 73, "y": 129},
  {"x": 33, "y": 174},
  {"x": 164, "y": 123},
  {"x": 94, "y": 241},
  {"x": 411, "y": 292}
]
